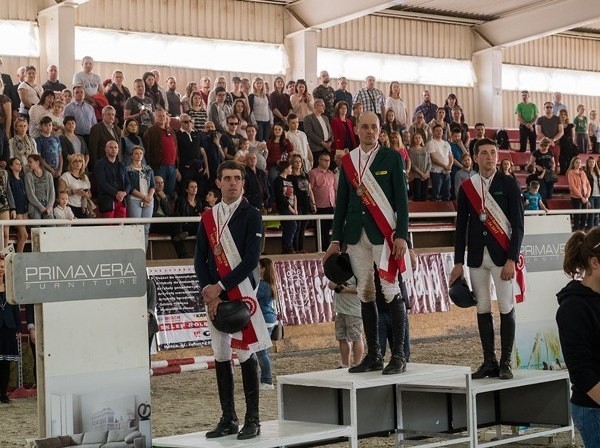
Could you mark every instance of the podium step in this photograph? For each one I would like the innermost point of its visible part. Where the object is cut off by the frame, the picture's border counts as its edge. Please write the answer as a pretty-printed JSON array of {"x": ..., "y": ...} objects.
[{"x": 273, "y": 433}]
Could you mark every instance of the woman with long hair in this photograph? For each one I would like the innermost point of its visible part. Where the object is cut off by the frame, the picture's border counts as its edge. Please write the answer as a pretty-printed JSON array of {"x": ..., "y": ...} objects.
[
  {"x": 397, "y": 145},
  {"x": 578, "y": 319},
  {"x": 22, "y": 145},
  {"x": 5, "y": 120},
  {"x": 117, "y": 94},
  {"x": 396, "y": 103},
  {"x": 260, "y": 111},
  {"x": 567, "y": 143},
  {"x": 390, "y": 124},
  {"x": 239, "y": 110},
  {"x": 39, "y": 111},
  {"x": 302, "y": 102},
  {"x": 279, "y": 148},
  {"x": 130, "y": 140},
  {"x": 420, "y": 127},
  {"x": 266, "y": 295},
  {"x": 506, "y": 166},
  {"x": 450, "y": 103},
  {"x": 77, "y": 185},
  {"x": 592, "y": 171},
  {"x": 190, "y": 88},
  {"x": 420, "y": 164},
  {"x": 39, "y": 186},
  {"x": 152, "y": 91},
  {"x": 344, "y": 137},
  {"x": 304, "y": 197},
  {"x": 197, "y": 111},
  {"x": 384, "y": 139},
  {"x": 17, "y": 187},
  {"x": 280, "y": 101},
  {"x": 579, "y": 191}
]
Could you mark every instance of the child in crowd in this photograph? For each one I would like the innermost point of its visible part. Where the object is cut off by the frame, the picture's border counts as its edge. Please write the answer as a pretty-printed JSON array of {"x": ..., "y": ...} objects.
[
  {"x": 348, "y": 323},
  {"x": 57, "y": 118},
  {"x": 67, "y": 96},
  {"x": 240, "y": 156},
  {"x": 62, "y": 209},
  {"x": 533, "y": 199},
  {"x": 267, "y": 293},
  {"x": 212, "y": 198},
  {"x": 49, "y": 148},
  {"x": 464, "y": 173}
]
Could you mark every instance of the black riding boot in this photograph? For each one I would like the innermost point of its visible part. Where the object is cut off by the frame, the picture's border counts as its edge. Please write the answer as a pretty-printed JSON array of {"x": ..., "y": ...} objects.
[
  {"x": 229, "y": 422},
  {"x": 507, "y": 340},
  {"x": 397, "y": 362},
  {"x": 373, "y": 360},
  {"x": 490, "y": 368},
  {"x": 250, "y": 379}
]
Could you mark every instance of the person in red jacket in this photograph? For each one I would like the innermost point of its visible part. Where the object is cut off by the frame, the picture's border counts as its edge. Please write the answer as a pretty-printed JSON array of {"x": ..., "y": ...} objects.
[{"x": 344, "y": 137}]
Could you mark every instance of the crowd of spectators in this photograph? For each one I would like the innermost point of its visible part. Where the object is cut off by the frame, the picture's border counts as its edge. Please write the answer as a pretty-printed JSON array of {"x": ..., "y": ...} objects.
[{"x": 106, "y": 146}]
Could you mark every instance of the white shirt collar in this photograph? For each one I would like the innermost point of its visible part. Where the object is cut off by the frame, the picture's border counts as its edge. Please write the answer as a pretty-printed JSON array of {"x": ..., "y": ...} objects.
[{"x": 229, "y": 209}]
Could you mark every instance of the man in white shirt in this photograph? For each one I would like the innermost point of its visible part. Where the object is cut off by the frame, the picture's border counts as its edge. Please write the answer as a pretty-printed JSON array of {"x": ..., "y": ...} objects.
[
  {"x": 91, "y": 82},
  {"x": 441, "y": 163},
  {"x": 300, "y": 142}
]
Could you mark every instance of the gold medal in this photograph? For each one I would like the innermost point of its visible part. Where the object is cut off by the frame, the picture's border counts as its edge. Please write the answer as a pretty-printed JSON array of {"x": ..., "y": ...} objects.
[
  {"x": 218, "y": 249},
  {"x": 360, "y": 190}
]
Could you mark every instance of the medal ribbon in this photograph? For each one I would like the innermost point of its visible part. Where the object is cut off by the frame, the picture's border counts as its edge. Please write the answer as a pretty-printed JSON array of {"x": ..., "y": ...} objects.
[
  {"x": 362, "y": 170},
  {"x": 220, "y": 229}
]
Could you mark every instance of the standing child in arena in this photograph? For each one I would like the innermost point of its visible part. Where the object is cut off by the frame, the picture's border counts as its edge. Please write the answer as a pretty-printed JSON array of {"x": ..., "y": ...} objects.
[
  {"x": 581, "y": 128},
  {"x": 533, "y": 199},
  {"x": 62, "y": 209},
  {"x": 267, "y": 293}
]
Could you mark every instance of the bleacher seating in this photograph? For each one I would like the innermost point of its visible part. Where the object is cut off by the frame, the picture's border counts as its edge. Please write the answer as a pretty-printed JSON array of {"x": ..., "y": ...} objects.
[{"x": 431, "y": 224}]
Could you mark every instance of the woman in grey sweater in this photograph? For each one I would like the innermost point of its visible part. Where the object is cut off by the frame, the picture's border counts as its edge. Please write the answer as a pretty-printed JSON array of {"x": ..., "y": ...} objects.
[{"x": 39, "y": 186}]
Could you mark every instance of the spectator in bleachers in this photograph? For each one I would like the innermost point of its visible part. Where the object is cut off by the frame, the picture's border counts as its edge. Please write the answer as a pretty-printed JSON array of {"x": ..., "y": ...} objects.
[
  {"x": 161, "y": 151},
  {"x": 117, "y": 95},
  {"x": 140, "y": 107},
  {"x": 52, "y": 83},
  {"x": 151, "y": 90},
  {"x": 568, "y": 142},
  {"x": 101, "y": 133},
  {"x": 29, "y": 91},
  {"x": 450, "y": 103},
  {"x": 39, "y": 186},
  {"x": 479, "y": 134},
  {"x": 458, "y": 122},
  {"x": 17, "y": 187},
  {"x": 91, "y": 82},
  {"x": 420, "y": 127},
  {"x": 286, "y": 204},
  {"x": 14, "y": 92},
  {"x": 290, "y": 87},
  {"x": 280, "y": 149},
  {"x": 326, "y": 93},
  {"x": 304, "y": 199},
  {"x": 260, "y": 112},
  {"x": 186, "y": 100},
  {"x": 256, "y": 188},
  {"x": 543, "y": 165},
  {"x": 211, "y": 142},
  {"x": 71, "y": 143},
  {"x": 506, "y": 168},
  {"x": 239, "y": 111},
  {"x": 372, "y": 99},
  {"x": 163, "y": 209},
  {"x": 357, "y": 109},
  {"x": 342, "y": 94},
  {"x": 390, "y": 124},
  {"x": 318, "y": 130},
  {"x": 420, "y": 168},
  {"x": 440, "y": 120},
  {"x": 188, "y": 204},
  {"x": 581, "y": 130},
  {"x": 532, "y": 197},
  {"x": 579, "y": 191},
  {"x": 193, "y": 161},
  {"x": 464, "y": 173},
  {"x": 197, "y": 111},
  {"x": 230, "y": 140},
  {"x": 212, "y": 96},
  {"x": 384, "y": 139},
  {"x": 57, "y": 116},
  {"x": 441, "y": 164},
  {"x": 7, "y": 202},
  {"x": 299, "y": 142},
  {"x": 22, "y": 145},
  {"x": 592, "y": 172},
  {"x": 458, "y": 150},
  {"x": 397, "y": 145},
  {"x": 427, "y": 108},
  {"x": 130, "y": 140},
  {"x": 257, "y": 147},
  {"x": 594, "y": 131},
  {"x": 38, "y": 111},
  {"x": 323, "y": 183},
  {"x": 156, "y": 74},
  {"x": 549, "y": 125},
  {"x": 219, "y": 110},
  {"x": 84, "y": 114},
  {"x": 396, "y": 103},
  {"x": 112, "y": 183},
  {"x": 172, "y": 98},
  {"x": 557, "y": 105},
  {"x": 280, "y": 101},
  {"x": 140, "y": 200},
  {"x": 237, "y": 94},
  {"x": 75, "y": 182},
  {"x": 204, "y": 89},
  {"x": 49, "y": 148},
  {"x": 67, "y": 96},
  {"x": 5, "y": 123},
  {"x": 302, "y": 102},
  {"x": 527, "y": 114},
  {"x": 344, "y": 135}
]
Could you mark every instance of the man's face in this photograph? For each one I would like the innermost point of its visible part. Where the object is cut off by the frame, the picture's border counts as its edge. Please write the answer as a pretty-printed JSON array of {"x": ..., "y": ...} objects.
[
  {"x": 52, "y": 73},
  {"x": 319, "y": 107},
  {"x": 548, "y": 109},
  {"x": 324, "y": 162},
  {"x": 251, "y": 159},
  {"x": 112, "y": 149},
  {"x": 557, "y": 97},
  {"x": 426, "y": 96},
  {"x": 160, "y": 118},
  {"x": 455, "y": 137},
  {"x": 293, "y": 124},
  {"x": 467, "y": 162},
  {"x": 438, "y": 132},
  {"x": 221, "y": 97},
  {"x": 370, "y": 82},
  {"x": 87, "y": 65},
  {"x": 487, "y": 157},
  {"x": 159, "y": 184},
  {"x": 368, "y": 128},
  {"x": 525, "y": 96},
  {"x": 171, "y": 84},
  {"x": 46, "y": 128},
  {"x": 209, "y": 126},
  {"x": 479, "y": 131},
  {"x": 21, "y": 74},
  {"x": 186, "y": 123},
  {"x": 78, "y": 94},
  {"x": 232, "y": 125},
  {"x": 139, "y": 88},
  {"x": 291, "y": 89},
  {"x": 70, "y": 125},
  {"x": 342, "y": 83},
  {"x": 324, "y": 77},
  {"x": 231, "y": 185},
  {"x": 118, "y": 78},
  {"x": 108, "y": 116}
]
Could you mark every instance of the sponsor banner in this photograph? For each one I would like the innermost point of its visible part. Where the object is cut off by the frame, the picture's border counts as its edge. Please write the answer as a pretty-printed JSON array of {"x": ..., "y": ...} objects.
[
  {"x": 428, "y": 287},
  {"x": 180, "y": 315}
]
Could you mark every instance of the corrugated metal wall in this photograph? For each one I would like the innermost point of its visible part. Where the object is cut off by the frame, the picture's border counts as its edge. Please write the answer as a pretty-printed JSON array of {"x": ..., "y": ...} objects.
[
  {"x": 20, "y": 9},
  {"x": 575, "y": 53},
  {"x": 216, "y": 19},
  {"x": 511, "y": 98},
  {"x": 10, "y": 65},
  {"x": 392, "y": 35}
]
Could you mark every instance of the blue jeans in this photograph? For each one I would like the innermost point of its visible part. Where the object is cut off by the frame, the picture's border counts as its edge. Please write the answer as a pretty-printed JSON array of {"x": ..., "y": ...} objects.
[
  {"x": 593, "y": 218},
  {"x": 440, "y": 186},
  {"x": 135, "y": 210},
  {"x": 288, "y": 229},
  {"x": 263, "y": 130},
  {"x": 587, "y": 421},
  {"x": 264, "y": 361},
  {"x": 168, "y": 173}
]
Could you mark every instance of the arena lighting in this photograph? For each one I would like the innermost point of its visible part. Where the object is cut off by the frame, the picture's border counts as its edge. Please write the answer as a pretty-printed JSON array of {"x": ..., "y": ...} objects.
[
  {"x": 25, "y": 33},
  {"x": 179, "y": 51},
  {"x": 358, "y": 65},
  {"x": 520, "y": 77}
]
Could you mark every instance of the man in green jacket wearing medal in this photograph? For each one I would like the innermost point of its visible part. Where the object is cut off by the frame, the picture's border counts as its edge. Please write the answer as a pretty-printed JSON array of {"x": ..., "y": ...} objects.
[{"x": 371, "y": 218}]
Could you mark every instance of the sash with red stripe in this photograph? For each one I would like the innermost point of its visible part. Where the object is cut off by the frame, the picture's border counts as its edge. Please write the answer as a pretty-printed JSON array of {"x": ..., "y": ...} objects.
[
  {"x": 499, "y": 227},
  {"x": 377, "y": 203},
  {"x": 255, "y": 336}
]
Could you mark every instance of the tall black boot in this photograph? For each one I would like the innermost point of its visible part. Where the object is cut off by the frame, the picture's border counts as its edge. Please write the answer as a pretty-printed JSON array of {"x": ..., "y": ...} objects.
[
  {"x": 251, "y": 383},
  {"x": 229, "y": 422},
  {"x": 373, "y": 360},
  {"x": 485, "y": 323},
  {"x": 4, "y": 377},
  {"x": 397, "y": 362},
  {"x": 507, "y": 340}
]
